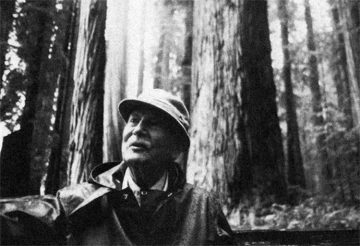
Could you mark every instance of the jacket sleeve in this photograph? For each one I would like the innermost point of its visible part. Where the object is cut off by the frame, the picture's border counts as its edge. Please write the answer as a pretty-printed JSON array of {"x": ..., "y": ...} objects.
[
  {"x": 224, "y": 233},
  {"x": 31, "y": 220}
]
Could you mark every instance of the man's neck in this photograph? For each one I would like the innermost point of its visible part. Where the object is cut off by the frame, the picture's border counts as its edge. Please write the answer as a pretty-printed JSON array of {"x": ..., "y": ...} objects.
[{"x": 145, "y": 176}]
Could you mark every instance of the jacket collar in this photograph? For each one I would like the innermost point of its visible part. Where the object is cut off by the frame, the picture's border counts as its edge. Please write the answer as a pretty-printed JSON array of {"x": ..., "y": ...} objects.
[
  {"x": 102, "y": 176},
  {"x": 109, "y": 177}
]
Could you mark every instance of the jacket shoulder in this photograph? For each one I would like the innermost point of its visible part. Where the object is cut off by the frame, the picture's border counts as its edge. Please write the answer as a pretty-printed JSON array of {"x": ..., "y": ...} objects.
[
  {"x": 207, "y": 202},
  {"x": 72, "y": 196}
]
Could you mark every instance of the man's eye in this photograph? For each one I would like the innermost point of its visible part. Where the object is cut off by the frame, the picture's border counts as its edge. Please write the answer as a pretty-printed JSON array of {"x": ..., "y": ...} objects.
[{"x": 133, "y": 120}]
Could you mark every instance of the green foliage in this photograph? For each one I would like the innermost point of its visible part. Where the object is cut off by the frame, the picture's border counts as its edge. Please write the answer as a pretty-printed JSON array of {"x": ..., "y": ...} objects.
[
  {"x": 11, "y": 101},
  {"x": 31, "y": 19},
  {"x": 313, "y": 213},
  {"x": 31, "y": 86},
  {"x": 343, "y": 155}
]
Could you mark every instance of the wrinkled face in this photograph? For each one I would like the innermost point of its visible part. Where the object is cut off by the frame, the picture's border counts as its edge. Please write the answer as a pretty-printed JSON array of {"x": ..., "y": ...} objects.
[{"x": 147, "y": 138}]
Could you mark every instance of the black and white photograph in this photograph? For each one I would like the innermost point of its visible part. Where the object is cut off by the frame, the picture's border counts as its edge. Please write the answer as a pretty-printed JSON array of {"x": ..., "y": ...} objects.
[{"x": 180, "y": 122}]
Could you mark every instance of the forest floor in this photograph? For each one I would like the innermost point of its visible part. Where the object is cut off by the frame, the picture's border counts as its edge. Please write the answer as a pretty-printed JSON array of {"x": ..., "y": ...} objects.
[{"x": 314, "y": 213}]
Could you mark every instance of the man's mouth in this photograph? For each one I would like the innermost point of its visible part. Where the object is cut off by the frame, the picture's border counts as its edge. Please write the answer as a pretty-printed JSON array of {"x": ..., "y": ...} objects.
[{"x": 139, "y": 146}]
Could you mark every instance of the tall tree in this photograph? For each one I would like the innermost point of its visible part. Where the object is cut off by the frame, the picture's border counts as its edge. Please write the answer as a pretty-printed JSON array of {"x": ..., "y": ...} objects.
[
  {"x": 115, "y": 78},
  {"x": 35, "y": 30},
  {"x": 185, "y": 81},
  {"x": 86, "y": 126},
  {"x": 186, "y": 62},
  {"x": 236, "y": 145},
  {"x": 339, "y": 68},
  {"x": 67, "y": 24},
  {"x": 350, "y": 17},
  {"x": 324, "y": 169},
  {"x": 163, "y": 54},
  {"x": 142, "y": 57},
  {"x": 295, "y": 170},
  {"x": 29, "y": 149},
  {"x": 260, "y": 120},
  {"x": 7, "y": 8},
  {"x": 346, "y": 17}
]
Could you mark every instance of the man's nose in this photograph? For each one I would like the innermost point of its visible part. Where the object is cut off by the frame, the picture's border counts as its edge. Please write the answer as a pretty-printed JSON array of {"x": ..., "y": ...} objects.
[{"x": 140, "y": 127}]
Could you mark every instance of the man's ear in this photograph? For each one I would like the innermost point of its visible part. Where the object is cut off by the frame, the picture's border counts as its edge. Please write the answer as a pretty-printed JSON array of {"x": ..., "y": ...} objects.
[
  {"x": 180, "y": 158},
  {"x": 178, "y": 149},
  {"x": 176, "y": 152}
]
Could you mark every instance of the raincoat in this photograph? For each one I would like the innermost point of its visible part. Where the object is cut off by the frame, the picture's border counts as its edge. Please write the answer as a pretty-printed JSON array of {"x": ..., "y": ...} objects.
[{"x": 100, "y": 212}]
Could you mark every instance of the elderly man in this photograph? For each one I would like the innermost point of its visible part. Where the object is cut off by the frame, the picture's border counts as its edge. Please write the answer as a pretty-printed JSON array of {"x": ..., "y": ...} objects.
[{"x": 144, "y": 200}]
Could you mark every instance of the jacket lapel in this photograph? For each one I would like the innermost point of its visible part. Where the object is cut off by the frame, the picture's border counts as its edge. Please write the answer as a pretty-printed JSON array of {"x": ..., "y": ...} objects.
[{"x": 105, "y": 181}]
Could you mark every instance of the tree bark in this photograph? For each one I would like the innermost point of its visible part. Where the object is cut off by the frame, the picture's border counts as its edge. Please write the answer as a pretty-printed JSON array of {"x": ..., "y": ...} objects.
[
  {"x": 34, "y": 33},
  {"x": 339, "y": 69},
  {"x": 142, "y": 58},
  {"x": 7, "y": 8},
  {"x": 162, "y": 65},
  {"x": 115, "y": 80},
  {"x": 185, "y": 87},
  {"x": 350, "y": 18},
  {"x": 261, "y": 122},
  {"x": 86, "y": 126},
  {"x": 346, "y": 16},
  {"x": 324, "y": 170},
  {"x": 66, "y": 41},
  {"x": 236, "y": 147},
  {"x": 186, "y": 62},
  {"x": 295, "y": 171},
  {"x": 313, "y": 69}
]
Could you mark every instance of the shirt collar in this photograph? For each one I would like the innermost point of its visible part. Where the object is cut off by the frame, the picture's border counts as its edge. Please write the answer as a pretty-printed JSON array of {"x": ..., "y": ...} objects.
[{"x": 161, "y": 185}]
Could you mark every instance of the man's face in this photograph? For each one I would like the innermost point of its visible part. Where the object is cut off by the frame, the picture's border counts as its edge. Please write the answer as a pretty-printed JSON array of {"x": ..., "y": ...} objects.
[{"x": 147, "y": 138}]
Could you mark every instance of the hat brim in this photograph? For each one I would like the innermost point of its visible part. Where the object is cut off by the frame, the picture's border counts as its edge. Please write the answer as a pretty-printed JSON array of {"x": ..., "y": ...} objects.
[{"x": 127, "y": 106}]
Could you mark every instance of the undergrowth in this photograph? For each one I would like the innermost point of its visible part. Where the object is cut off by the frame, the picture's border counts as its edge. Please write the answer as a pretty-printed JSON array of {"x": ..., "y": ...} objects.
[{"x": 314, "y": 213}]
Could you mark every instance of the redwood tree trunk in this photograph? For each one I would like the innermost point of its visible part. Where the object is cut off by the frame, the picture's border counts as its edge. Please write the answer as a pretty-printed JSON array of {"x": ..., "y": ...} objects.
[
  {"x": 236, "y": 146},
  {"x": 66, "y": 36},
  {"x": 142, "y": 57},
  {"x": 261, "y": 123},
  {"x": 295, "y": 171},
  {"x": 339, "y": 69},
  {"x": 162, "y": 65},
  {"x": 185, "y": 92},
  {"x": 41, "y": 71},
  {"x": 115, "y": 80},
  {"x": 31, "y": 144},
  {"x": 324, "y": 170},
  {"x": 350, "y": 17},
  {"x": 86, "y": 126},
  {"x": 186, "y": 62}
]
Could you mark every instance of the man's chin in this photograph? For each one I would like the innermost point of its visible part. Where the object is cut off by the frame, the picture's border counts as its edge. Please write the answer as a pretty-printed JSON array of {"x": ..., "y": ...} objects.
[{"x": 135, "y": 160}]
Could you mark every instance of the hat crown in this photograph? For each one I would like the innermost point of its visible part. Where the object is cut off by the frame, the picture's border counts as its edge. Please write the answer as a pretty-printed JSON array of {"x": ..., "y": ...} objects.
[{"x": 170, "y": 101}]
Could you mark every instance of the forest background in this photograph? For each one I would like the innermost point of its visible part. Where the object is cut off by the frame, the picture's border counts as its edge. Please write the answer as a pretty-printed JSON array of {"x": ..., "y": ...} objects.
[{"x": 273, "y": 88}]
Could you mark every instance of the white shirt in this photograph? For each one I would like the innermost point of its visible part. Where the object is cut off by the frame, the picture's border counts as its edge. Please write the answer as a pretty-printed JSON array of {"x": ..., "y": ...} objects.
[{"x": 162, "y": 185}]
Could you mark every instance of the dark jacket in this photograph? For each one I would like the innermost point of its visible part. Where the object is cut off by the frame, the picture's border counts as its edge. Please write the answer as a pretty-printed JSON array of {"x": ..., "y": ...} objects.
[{"x": 100, "y": 213}]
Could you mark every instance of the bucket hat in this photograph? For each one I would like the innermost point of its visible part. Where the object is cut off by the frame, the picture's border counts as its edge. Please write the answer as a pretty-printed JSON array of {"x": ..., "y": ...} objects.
[{"x": 167, "y": 103}]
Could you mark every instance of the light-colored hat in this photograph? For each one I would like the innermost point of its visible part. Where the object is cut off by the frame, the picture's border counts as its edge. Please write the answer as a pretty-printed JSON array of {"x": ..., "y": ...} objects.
[{"x": 164, "y": 101}]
